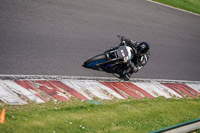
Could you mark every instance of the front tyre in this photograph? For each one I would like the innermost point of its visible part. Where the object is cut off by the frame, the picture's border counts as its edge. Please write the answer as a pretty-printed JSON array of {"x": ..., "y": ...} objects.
[{"x": 95, "y": 60}]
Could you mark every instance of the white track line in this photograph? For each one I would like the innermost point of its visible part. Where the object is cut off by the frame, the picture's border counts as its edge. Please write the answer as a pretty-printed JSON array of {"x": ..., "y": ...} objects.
[
  {"x": 59, "y": 77},
  {"x": 173, "y": 7}
]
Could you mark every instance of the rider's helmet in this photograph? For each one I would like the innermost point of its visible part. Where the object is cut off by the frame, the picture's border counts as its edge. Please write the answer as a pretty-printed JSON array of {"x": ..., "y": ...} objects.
[{"x": 143, "y": 48}]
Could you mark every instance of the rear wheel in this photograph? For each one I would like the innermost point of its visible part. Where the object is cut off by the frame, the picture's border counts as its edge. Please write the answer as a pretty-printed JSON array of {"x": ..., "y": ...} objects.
[{"x": 95, "y": 60}]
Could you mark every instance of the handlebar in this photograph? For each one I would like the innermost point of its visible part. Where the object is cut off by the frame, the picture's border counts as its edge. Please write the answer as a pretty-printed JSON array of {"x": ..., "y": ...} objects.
[{"x": 121, "y": 38}]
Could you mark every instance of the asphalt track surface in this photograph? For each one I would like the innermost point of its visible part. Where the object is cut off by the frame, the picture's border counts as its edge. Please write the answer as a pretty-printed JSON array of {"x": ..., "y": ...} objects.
[{"x": 55, "y": 37}]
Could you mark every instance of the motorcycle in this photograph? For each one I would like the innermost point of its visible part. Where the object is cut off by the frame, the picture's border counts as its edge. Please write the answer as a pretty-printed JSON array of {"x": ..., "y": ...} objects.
[{"x": 114, "y": 58}]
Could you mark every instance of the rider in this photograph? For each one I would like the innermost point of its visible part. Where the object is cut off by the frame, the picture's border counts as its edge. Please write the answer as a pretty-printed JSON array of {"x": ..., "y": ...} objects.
[{"x": 141, "y": 55}]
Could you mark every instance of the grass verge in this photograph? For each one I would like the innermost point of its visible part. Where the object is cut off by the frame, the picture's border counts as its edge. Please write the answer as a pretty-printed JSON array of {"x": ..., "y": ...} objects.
[
  {"x": 118, "y": 116},
  {"x": 189, "y": 5}
]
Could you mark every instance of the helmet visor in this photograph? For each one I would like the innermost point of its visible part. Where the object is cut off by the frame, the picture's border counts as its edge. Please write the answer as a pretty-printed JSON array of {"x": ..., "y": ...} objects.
[{"x": 143, "y": 51}]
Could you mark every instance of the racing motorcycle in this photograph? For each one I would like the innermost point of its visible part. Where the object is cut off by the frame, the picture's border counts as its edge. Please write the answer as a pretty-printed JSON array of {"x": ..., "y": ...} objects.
[{"x": 114, "y": 58}]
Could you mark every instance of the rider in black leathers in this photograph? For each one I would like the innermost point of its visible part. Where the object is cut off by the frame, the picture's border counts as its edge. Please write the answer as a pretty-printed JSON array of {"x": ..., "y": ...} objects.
[{"x": 140, "y": 58}]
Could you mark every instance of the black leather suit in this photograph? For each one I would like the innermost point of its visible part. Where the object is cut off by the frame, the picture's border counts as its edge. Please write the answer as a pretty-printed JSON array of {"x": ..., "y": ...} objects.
[{"x": 138, "y": 61}]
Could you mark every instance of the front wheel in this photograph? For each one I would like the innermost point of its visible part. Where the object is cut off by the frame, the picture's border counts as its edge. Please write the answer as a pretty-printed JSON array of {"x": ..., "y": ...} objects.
[{"x": 95, "y": 60}]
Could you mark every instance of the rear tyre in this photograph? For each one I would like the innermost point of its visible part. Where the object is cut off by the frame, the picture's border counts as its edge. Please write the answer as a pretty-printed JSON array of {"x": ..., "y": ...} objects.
[{"x": 95, "y": 60}]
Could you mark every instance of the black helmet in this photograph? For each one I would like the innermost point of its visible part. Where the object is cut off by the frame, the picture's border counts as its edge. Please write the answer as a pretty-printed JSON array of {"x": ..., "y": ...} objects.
[{"x": 143, "y": 48}]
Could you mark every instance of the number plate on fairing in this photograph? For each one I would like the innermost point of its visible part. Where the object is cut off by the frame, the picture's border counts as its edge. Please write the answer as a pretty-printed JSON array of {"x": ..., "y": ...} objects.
[{"x": 122, "y": 52}]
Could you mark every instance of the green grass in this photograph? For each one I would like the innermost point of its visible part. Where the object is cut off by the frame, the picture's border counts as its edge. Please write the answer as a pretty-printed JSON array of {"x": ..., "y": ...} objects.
[
  {"x": 190, "y": 5},
  {"x": 115, "y": 116}
]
